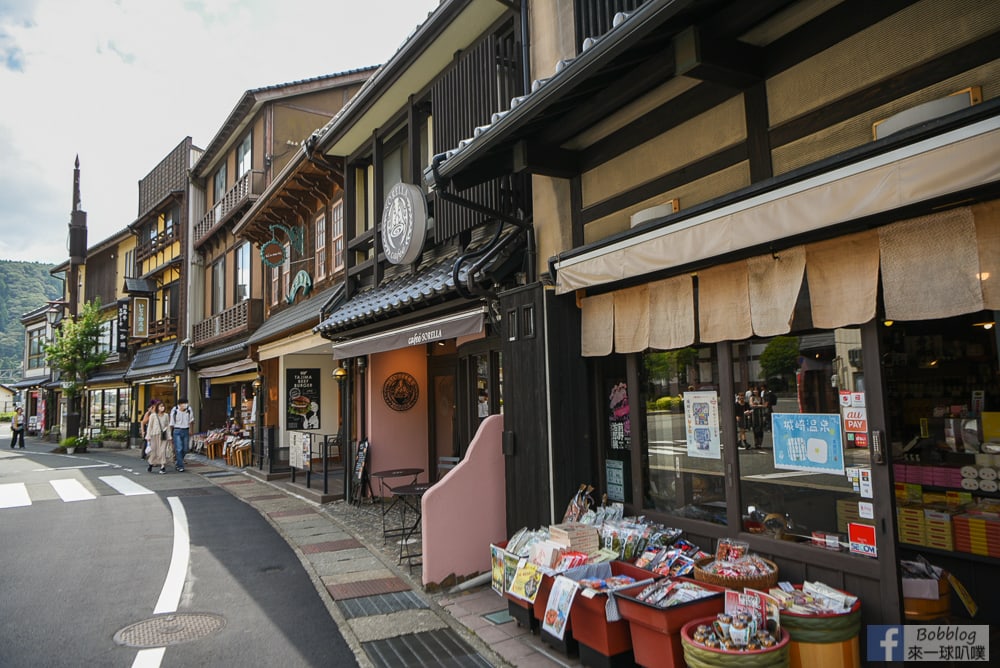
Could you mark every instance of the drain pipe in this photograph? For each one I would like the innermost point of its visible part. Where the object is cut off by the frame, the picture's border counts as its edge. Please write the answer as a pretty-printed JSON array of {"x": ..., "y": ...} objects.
[{"x": 471, "y": 583}]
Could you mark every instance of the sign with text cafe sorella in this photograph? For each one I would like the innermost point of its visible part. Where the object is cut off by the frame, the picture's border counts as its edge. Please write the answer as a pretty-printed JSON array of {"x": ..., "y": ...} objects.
[{"x": 428, "y": 331}]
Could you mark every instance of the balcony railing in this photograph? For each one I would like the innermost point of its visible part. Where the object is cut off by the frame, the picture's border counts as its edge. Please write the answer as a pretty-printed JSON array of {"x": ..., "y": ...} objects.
[
  {"x": 243, "y": 193},
  {"x": 159, "y": 329},
  {"x": 243, "y": 318},
  {"x": 148, "y": 247}
]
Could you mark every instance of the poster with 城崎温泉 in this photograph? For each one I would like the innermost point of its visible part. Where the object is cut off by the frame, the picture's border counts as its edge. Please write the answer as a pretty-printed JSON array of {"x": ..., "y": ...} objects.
[
  {"x": 701, "y": 421},
  {"x": 808, "y": 442}
]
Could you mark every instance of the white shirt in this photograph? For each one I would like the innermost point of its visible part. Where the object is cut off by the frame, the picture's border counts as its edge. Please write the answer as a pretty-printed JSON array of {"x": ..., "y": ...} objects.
[{"x": 181, "y": 419}]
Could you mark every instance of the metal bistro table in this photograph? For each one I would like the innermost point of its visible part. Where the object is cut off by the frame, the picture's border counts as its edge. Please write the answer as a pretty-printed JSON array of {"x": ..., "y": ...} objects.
[
  {"x": 390, "y": 474},
  {"x": 410, "y": 495}
]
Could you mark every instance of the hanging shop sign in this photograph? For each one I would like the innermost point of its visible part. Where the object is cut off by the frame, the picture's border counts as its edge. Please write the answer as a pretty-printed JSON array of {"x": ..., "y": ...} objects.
[
  {"x": 400, "y": 391},
  {"x": 140, "y": 317},
  {"x": 302, "y": 281},
  {"x": 302, "y": 411},
  {"x": 404, "y": 223},
  {"x": 272, "y": 252},
  {"x": 121, "y": 343}
]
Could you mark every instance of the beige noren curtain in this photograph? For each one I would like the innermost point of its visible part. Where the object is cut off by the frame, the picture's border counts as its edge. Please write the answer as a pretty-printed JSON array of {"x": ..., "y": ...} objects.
[
  {"x": 597, "y": 325},
  {"x": 671, "y": 313},
  {"x": 843, "y": 280},
  {"x": 987, "y": 217},
  {"x": 775, "y": 281},
  {"x": 930, "y": 266},
  {"x": 724, "y": 303},
  {"x": 632, "y": 319}
]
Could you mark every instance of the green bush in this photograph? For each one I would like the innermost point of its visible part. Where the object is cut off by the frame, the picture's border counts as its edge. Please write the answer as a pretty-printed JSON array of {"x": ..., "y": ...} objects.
[
  {"x": 78, "y": 442},
  {"x": 6, "y": 417},
  {"x": 114, "y": 435}
]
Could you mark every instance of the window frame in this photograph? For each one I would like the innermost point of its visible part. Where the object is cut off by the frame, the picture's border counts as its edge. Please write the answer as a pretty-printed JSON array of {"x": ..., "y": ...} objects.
[
  {"x": 218, "y": 289},
  {"x": 244, "y": 156},
  {"x": 241, "y": 262},
  {"x": 337, "y": 235},
  {"x": 321, "y": 247}
]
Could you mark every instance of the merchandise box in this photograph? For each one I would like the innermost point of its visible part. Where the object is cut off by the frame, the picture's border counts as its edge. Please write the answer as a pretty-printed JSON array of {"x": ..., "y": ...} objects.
[{"x": 924, "y": 588}]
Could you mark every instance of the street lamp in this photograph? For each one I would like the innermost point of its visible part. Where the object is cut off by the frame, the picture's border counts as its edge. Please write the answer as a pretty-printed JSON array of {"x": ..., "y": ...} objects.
[{"x": 258, "y": 426}]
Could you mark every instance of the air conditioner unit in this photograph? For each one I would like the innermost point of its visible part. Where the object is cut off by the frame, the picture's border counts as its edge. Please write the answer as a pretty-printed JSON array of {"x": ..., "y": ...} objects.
[{"x": 854, "y": 357}]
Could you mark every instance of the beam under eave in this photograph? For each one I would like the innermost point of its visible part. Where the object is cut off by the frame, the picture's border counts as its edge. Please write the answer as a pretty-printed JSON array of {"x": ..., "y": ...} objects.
[
  {"x": 545, "y": 160},
  {"x": 727, "y": 62}
]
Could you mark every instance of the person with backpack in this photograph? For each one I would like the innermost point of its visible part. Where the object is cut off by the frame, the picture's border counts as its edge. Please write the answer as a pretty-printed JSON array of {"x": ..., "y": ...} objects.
[{"x": 181, "y": 422}]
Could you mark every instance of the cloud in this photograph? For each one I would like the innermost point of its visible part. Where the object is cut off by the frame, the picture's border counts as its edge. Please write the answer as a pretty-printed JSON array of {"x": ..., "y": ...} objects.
[{"x": 122, "y": 82}]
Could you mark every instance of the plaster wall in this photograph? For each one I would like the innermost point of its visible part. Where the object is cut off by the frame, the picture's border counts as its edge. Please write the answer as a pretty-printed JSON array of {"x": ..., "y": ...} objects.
[{"x": 398, "y": 438}]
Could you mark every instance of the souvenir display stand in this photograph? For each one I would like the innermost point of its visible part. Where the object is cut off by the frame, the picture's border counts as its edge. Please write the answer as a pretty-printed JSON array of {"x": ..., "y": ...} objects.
[
  {"x": 698, "y": 656},
  {"x": 656, "y": 631},
  {"x": 824, "y": 639}
]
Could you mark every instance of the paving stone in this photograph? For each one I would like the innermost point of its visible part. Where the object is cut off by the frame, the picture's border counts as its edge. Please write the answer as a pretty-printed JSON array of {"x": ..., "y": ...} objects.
[
  {"x": 367, "y": 588},
  {"x": 395, "y": 624}
]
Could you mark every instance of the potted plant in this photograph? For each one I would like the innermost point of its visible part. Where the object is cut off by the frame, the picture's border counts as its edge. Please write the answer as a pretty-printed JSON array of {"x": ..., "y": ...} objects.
[{"x": 72, "y": 444}]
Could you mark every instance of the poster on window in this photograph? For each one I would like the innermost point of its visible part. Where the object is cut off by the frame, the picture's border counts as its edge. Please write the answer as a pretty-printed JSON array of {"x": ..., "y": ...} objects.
[
  {"x": 303, "y": 400},
  {"x": 808, "y": 442},
  {"x": 619, "y": 425},
  {"x": 701, "y": 420}
]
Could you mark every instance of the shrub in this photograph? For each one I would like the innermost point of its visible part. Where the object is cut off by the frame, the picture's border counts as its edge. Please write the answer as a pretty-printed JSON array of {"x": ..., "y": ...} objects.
[
  {"x": 664, "y": 403},
  {"x": 114, "y": 435}
]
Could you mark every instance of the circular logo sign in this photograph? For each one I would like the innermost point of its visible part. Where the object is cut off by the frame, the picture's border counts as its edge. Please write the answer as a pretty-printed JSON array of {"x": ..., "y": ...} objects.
[
  {"x": 272, "y": 253},
  {"x": 404, "y": 223},
  {"x": 400, "y": 391}
]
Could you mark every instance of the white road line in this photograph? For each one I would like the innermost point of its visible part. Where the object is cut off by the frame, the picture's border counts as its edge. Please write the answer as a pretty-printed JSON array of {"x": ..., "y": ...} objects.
[
  {"x": 170, "y": 596},
  {"x": 124, "y": 486},
  {"x": 13, "y": 495},
  {"x": 173, "y": 586},
  {"x": 71, "y": 489},
  {"x": 72, "y": 468}
]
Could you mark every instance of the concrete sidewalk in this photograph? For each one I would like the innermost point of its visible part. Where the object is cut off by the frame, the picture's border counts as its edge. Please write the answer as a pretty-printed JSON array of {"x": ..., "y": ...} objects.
[{"x": 380, "y": 606}]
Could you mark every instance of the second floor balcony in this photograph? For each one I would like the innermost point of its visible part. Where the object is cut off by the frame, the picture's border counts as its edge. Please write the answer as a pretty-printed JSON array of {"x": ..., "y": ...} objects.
[
  {"x": 160, "y": 329},
  {"x": 239, "y": 198},
  {"x": 243, "y": 318},
  {"x": 146, "y": 248}
]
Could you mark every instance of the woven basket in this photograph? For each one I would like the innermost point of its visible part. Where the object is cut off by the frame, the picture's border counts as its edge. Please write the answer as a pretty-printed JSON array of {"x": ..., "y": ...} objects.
[{"x": 761, "y": 582}]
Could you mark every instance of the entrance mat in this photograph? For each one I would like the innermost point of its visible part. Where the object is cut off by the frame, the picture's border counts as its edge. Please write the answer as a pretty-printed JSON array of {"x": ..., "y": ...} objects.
[
  {"x": 382, "y": 604},
  {"x": 442, "y": 647}
]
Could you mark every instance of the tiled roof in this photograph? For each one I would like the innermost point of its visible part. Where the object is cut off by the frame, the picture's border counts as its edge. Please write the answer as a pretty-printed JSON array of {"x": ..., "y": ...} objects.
[
  {"x": 433, "y": 284},
  {"x": 307, "y": 312},
  {"x": 215, "y": 354}
]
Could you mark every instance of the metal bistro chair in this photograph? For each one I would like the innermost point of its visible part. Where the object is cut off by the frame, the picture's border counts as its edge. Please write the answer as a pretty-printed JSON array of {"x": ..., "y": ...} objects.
[{"x": 446, "y": 464}]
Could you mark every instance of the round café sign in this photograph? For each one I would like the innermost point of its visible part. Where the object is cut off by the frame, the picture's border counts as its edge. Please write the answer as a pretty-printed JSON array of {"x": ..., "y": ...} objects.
[
  {"x": 404, "y": 223},
  {"x": 400, "y": 391}
]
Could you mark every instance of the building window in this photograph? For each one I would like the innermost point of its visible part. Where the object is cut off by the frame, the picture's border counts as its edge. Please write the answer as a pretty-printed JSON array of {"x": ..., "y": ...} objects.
[
  {"x": 130, "y": 264},
  {"x": 219, "y": 184},
  {"x": 275, "y": 284},
  {"x": 219, "y": 285},
  {"x": 244, "y": 157},
  {"x": 286, "y": 272},
  {"x": 337, "y": 219},
  {"x": 106, "y": 342},
  {"x": 36, "y": 345},
  {"x": 169, "y": 218},
  {"x": 242, "y": 272},
  {"x": 320, "y": 246}
]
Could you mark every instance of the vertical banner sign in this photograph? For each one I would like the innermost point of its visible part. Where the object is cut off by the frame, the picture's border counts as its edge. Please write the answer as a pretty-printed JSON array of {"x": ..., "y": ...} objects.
[
  {"x": 122, "y": 344},
  {"x": 701, "y": 420},
  {"x": 619, "y": 423},
  {"x": 140, "y": 317},
  {"x": 302, "y": 410}
]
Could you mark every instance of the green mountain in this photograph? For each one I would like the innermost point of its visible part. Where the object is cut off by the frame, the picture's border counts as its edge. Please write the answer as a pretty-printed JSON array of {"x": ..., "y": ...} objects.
[{"x": 24, "y": 286}]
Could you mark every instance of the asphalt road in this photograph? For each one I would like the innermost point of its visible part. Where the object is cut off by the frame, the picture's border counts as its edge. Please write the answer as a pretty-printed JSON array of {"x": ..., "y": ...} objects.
[{"x": 102, "y": 546}]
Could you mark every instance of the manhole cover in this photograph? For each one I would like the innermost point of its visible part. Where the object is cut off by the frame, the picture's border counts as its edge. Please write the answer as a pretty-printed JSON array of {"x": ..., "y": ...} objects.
[{"x": 170, "y": 629}]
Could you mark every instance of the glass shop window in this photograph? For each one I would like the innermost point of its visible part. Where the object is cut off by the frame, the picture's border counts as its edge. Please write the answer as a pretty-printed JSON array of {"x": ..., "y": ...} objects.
[
  {"x": 801, "y": 431},
  {"x": 682, "y": 464}
]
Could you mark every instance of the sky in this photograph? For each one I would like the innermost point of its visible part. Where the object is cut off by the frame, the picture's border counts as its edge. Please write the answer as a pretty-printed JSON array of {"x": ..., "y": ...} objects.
[{"x": 122, "y": 82}]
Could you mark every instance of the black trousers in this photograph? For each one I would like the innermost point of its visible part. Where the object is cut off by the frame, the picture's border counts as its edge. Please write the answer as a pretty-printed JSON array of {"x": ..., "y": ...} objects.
[{"x": 17, "y": 434}]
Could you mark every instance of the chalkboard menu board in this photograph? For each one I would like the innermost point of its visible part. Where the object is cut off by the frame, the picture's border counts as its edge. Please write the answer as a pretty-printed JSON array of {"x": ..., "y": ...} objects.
[
  {"x": 303, "y": 399},
  {"x": 361, "y": 461}
]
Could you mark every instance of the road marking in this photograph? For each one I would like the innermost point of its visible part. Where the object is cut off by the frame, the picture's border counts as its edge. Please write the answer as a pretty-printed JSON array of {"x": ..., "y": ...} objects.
[
  {"x": 72, "y": 468},
  {"x": 124, "y": 486},
  {"x": 71, "y": 489},
  {"x": 13, "y": 495},
  {"x": 149, "y": 658},
  {"x": 173, "y": 586}
]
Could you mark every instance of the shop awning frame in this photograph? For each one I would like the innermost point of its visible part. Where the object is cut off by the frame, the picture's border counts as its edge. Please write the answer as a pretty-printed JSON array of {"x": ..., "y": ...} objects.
[{"x": 464, "y": 323}]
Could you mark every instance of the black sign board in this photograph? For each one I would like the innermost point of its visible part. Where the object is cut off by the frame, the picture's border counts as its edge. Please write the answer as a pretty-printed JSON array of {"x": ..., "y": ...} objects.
[
  {"x": 122, "y": 344},
  {"x": 302, "y": 399}
]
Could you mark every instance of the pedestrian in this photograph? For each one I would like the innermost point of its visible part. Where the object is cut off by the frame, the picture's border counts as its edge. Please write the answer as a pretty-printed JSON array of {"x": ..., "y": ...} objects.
[
  {"x": 17, "y": 428},
  {"x": 181, "y": 421},
  {"x": 144, "y": 423},
  {"x": 158, "y": 435},
  {"x": 743, "y": 414},
  {"x": 757, "y": 421}
]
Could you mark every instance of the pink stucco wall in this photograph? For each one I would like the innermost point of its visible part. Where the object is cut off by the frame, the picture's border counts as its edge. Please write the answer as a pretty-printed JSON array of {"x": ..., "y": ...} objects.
[
  {"x": 398, "y": 438},
  {"x": 466, "y": 510}
]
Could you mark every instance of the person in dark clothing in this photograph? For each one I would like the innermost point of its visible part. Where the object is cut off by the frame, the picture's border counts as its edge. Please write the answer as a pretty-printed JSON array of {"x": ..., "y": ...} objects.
[
  {"x": 742, "y": 417},
  {"x": 17, "y": 428}
]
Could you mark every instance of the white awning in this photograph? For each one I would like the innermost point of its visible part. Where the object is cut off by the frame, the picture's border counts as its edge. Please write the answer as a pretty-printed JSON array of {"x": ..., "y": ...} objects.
[
  {"x": 451, "y": 326},
  {"x": 951, "y": 162},
  {"x": 228, "y": 369}
]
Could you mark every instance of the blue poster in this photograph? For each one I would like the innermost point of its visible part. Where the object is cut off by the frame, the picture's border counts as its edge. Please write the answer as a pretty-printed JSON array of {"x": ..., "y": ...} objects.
[{"x": 808, "y": 442}]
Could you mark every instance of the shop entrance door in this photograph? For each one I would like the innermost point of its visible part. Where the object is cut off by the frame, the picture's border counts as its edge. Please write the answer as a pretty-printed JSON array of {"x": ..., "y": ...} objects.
[{"x": 443, "y": 437}]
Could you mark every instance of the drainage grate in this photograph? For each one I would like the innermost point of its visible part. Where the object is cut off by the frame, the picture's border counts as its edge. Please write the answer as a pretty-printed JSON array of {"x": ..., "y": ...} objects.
[
  {"x": 381, "y": 604},
  {"x": 498, "y": 617},
  {"x": 217, "y": 474},
  {"x": 170, "y": 629},
  {"x": 432, "y": 648}
]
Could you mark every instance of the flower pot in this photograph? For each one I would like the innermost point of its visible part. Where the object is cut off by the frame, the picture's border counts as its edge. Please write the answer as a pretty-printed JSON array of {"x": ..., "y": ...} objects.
[{"x": 70, "y": 451}]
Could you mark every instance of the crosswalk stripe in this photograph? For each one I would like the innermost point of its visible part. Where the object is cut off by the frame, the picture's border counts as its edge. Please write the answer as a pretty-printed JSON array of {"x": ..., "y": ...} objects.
[
  {"x": 71, "y": 489},
  {"x": 125, "y": 486},
  {"x": 13, "y": 495}
]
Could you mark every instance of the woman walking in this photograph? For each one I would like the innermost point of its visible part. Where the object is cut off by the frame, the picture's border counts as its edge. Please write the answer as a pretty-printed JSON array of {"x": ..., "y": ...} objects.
[
  {"x": 144, "y": 425},
  {"x": 158, "y": 435}
]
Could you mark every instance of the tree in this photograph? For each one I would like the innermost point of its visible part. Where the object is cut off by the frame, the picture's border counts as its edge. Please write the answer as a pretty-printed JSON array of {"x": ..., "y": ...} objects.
[
  {"x": 75, "y": 354},
  {"x": 780, "y": 357}
]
